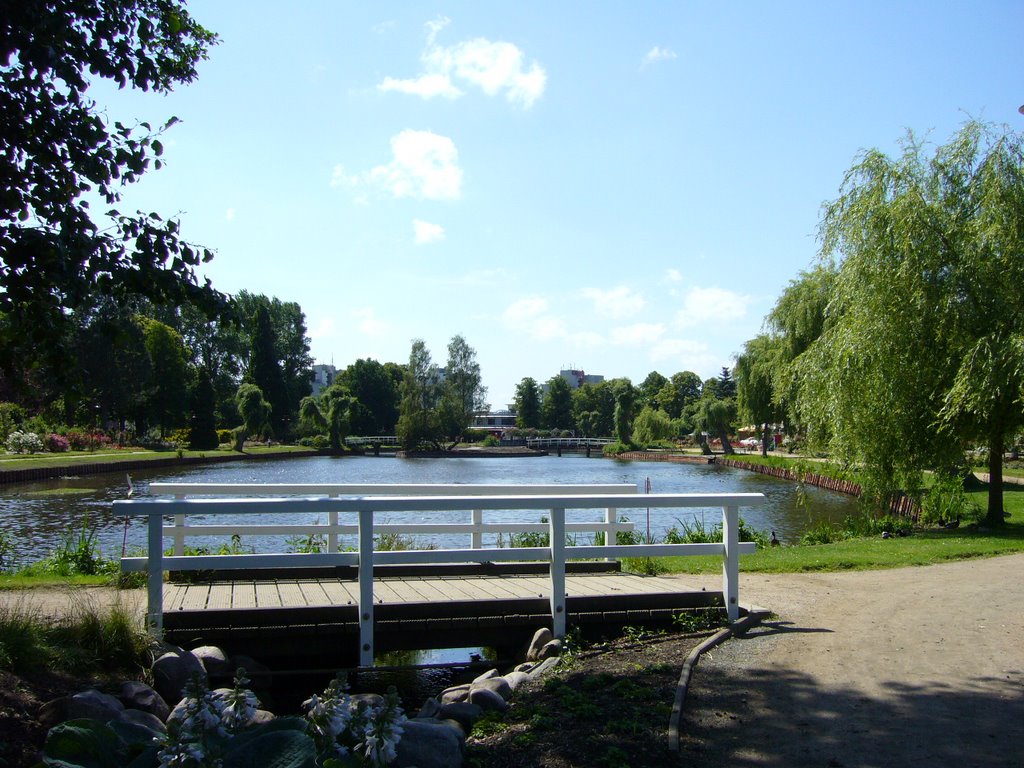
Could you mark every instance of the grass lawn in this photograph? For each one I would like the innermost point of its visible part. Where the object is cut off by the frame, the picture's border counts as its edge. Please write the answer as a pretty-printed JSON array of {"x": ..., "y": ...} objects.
[
  {"x": 112, "y": 456},
  {"x": 921, "y": 548}
]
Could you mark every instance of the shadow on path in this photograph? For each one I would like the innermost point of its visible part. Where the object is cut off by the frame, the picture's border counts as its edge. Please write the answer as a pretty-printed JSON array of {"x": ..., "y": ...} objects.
[{"x": 780, "y": 717}]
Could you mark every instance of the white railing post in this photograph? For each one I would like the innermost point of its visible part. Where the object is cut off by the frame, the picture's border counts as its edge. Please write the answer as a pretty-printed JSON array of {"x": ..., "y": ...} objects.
[
  {"x": 556, "y": 532},
  {"x": 477, "y": 535},
  {"x": 366, "y": 587},
  {"x": 155, "y": 576},
  {"x": 179, "y": 532},
  {"x": 731, "y": 561},
  {"x": 332, "y": 537},
  {"x": 610, "y": 537}
]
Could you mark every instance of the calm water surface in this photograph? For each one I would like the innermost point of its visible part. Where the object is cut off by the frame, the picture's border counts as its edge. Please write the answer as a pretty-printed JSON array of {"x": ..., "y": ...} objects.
[{"x": 39, "y": 515}]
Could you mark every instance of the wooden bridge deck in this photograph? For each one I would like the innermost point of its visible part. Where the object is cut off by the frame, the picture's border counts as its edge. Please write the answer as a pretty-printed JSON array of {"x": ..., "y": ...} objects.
[{"x": 423, "y": 611}]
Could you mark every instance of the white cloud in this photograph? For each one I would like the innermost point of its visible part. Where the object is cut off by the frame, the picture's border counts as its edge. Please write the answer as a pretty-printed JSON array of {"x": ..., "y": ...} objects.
[
  {"x": 493, "y": 66},
  {"x": 324, "y": 329},
  {"x": 425, "y": 86},
  {"x": 425, "y": 166},
  {"x": 673, "y": 275},
  {"x": 618, "y": 302},
  {"x": 711, "y": 305},
  {"x": 637, "y": 335},
  {"x": 530, "y": 316},
  {"x": 341, "y": 178},
  {"x": 368, "y": 322},
  {"x": 658, "y": 54},
  {"x": 229, "y": 214},
  {"x": 424, "y": 232},
  {"x": 685, "y": 354}
]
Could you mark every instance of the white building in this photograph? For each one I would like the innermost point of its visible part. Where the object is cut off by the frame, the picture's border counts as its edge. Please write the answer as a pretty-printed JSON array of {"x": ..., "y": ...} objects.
[{"x": 323, "y": 377}]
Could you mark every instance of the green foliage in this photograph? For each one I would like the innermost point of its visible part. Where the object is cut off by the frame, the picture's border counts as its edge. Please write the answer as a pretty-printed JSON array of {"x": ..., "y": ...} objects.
[
  {"x": 77, "y": 554},
  {"x": 652, "y": 426},
  {"x": 11, "y": 415},
  {"x": 203, "y": 424},
  {"x": 224, "y": 436},
  {"x": 527, "y": 404},
  {"x": 556, "y": 408},
  {"x": 265, "y": 372},
  {"x": 923, "y": 327},
  {"x": 947, "y": 502},
  {"x": 6, "y": 551},
  {"x": 700, "y": 619},
  {"x": 255, "y": 411},
  {"x": 61, "y": 153},
  {"x": 614, "y": 449},
  {"x": 87, "y": 639},
  {"x": 24, "y": 442},
  {"x": 491, "y": 442}
]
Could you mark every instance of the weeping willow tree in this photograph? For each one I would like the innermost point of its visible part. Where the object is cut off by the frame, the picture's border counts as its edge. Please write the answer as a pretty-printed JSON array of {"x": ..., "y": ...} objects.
[
  {"x": 923, "y": 353},
  {"x": 331, "y": 412}
]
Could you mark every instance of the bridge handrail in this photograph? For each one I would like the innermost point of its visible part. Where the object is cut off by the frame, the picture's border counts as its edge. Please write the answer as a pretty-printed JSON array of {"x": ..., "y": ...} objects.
[
  {"x": 180, "y": 529},
  {"x": 364, "y": 558}
]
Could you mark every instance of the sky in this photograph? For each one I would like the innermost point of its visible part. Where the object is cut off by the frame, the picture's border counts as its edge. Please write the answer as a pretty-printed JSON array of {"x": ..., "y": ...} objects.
[{"x": 617, "y": 188}]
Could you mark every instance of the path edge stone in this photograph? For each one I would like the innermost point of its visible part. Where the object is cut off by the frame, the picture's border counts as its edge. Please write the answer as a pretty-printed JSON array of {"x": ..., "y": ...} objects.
[{"x": 754, "y": 615}]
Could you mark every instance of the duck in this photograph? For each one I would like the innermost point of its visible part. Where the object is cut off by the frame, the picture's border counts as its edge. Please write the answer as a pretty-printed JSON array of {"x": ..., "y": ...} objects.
[{"x": 775, "y": 542}]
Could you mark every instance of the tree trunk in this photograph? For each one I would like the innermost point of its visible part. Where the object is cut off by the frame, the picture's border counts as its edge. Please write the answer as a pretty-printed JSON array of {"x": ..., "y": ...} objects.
[
  {"x": 764, "y": 441},
  {"x": 994, "y": 516},
  {"x": 724, "y": 437}
]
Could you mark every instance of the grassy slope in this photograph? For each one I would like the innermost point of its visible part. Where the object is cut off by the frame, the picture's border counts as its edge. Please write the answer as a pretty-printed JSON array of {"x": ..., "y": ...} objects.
[
  {"x": 71, "y": 458},
  {"x": 922, "y": 548}
]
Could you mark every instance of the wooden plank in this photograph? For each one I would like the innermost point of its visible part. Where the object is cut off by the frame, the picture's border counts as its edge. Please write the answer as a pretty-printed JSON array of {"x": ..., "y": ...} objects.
[
  {"x": 195, "y": 597},
  {"x": 465, "y": 589},
  {"x": 173, "y": 594},
  {"x": 243, "y": 595},
  {"x": 384, "y": 592},
  {"x": 291, "y": 595},
  {"x": 439, "y": 590},
  {"x": 424, "y": 592},
  {"x": 314, "y": 593},
  {"x": 583, "y": 586},
  {"x": 267, "y": 595},
  {"x": 220, "y": 596},
  {"x": 402, "y": 591},
  {"x": 338, "y": 594}
]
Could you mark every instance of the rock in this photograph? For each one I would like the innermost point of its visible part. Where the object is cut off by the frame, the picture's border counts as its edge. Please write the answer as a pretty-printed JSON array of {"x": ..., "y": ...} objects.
[
  {"x": 515, "y": 679},
  {"x": 261, "y": 716},
  {"x": 487, "y": 675},
  {"x": 552, "y": 648},
  {"x": 430, "y": 708},
  {"x": 428, "y": 744},
  {"x": 145, "y": 719},
  {"x": 137, "y": 695},
  {"x": 497, "y": 684},
  {"x": 487, "y": 699},
  {"x": 455, "y": 694},
  {"x": 173, "y": 670},
  {"x": 526, "y": 666},
  {"x": 541, "y": 638},
  {"x": 543, "y": 667},
  {"x": 91, "y": 704},
  {"x": 464, "y": 713},
  {"x": 215, "y": 661}
]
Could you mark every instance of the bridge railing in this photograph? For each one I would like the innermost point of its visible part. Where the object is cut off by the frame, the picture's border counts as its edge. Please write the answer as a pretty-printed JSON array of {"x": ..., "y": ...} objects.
[
  {"x": 364, "y": 557},
  {"x": 334, "y": 529}
]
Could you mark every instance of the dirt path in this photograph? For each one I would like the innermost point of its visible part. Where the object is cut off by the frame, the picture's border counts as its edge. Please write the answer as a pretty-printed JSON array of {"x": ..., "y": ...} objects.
[{"x": 906, "y": 667}]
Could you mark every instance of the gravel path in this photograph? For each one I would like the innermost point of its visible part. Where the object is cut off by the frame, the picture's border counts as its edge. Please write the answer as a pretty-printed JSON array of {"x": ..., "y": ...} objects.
[{"x": 906, "y": 667}]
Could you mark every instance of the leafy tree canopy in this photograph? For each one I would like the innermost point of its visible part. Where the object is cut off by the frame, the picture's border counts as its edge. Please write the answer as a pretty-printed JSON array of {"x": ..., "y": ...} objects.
[{"x": 58, "y": 151}]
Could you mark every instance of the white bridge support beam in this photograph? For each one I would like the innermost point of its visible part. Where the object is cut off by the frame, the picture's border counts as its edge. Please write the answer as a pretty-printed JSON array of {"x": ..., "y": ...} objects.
[
  {"x": 556, "y": 526},
  {"x": 731, "y": 561},
  {"x": 366, "y": 587}
]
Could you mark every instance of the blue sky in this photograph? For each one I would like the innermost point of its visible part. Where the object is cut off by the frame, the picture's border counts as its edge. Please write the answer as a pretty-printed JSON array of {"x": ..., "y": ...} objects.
[{"x": 618, "y": 188}]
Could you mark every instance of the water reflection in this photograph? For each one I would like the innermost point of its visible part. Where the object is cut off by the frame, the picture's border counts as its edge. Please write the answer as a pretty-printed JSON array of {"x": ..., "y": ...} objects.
[{"x": 38, "y": 515}]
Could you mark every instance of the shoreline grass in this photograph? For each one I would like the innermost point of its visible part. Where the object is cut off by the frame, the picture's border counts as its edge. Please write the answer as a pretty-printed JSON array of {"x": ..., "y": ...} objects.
[{"x": 71, "y": 458}]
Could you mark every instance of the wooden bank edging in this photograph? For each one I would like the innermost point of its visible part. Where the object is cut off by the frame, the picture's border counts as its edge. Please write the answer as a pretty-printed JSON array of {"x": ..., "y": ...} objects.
[
  {"x": 73, "y": 470},
  {"x": 903, "y": 506}
]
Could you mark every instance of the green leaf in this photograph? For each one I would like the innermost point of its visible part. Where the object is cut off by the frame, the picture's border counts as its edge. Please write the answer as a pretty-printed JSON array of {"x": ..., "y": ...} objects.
[
  {"x": 83, "y": 743},
  {"x": 276, "y": 749}
]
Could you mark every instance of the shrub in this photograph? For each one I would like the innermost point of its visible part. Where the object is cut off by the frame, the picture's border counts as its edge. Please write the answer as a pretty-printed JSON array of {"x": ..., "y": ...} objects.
[
  {"x": 947, "y": 502},
  {"x": 24, "y": 442},
  {"x": 223, "y": 436},
  {"x": 11, "y": 416},
  {"x": 55, "y": 443},
  {"x": 491, "y": 441},
  {"x": 614, "y": 449},
  {"x": 87, "y": 441},
  {"x": 180, "y": 437}
]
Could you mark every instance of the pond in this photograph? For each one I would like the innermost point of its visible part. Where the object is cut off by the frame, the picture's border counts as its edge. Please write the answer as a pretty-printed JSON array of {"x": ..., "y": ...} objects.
[{"x": 38, "y": 516}]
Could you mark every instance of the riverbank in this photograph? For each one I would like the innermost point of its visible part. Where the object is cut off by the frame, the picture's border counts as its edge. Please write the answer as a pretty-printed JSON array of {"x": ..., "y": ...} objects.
[{"x": 33, "y": 468}]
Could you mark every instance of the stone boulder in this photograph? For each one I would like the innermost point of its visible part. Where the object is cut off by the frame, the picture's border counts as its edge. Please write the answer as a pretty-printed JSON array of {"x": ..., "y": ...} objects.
[
  {"x": 541, "y": 638},
  {"x": 487, "y": 699},
  {"x": 173, "y": 670},
  {"x": 90, "y": 703},
  {"x": 428, "y": 744},
  {"x": 137, "y": 695},
  {"x": 215, "y": 662}
]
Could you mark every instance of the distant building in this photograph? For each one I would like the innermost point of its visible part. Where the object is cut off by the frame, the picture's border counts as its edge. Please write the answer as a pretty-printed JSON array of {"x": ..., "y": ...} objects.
[
  {"x": 323, "y": 377},
  {"x": 575, "y": 379},
  {"x": 495, "y": 422}
]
